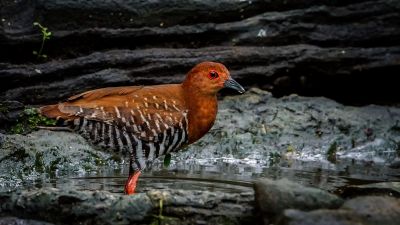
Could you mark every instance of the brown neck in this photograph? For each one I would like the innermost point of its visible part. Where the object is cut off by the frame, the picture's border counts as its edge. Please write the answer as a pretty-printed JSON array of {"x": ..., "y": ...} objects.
[{"x": 202, "y": 113}]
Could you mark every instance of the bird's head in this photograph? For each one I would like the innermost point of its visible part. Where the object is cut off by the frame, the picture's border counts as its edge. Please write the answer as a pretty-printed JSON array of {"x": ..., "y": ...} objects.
[{"x": 209, "y": 77}]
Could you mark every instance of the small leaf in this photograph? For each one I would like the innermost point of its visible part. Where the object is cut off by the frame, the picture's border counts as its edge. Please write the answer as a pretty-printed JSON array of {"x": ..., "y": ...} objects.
[
  {"x": 35, "y": 24},
  {"x": 34, "y": 52},
  {"x": 167, "y": 160}
]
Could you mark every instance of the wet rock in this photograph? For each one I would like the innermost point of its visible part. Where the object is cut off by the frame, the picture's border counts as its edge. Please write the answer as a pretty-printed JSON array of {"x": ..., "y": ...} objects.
[
  {"x": 99, "y": 207},
  {"x": 85, "y": 207},
  {"x": 252, "y": 131},
  {"x": 282, "y": 131},
  {"x": 10, "y": 112},
  {"x": 383, "y": 188},
  {"x": 274, "y": 196},
  {"x": 203, "y": 207},
  {"x": 43, "y": 155},
  {"x": 320, "y": 217},
  {"x": 17, "y": 221},
  {"x": 375, "y": 210},
  {"x": 395, "y": 164},
  {"x": 371, "y": 210}
]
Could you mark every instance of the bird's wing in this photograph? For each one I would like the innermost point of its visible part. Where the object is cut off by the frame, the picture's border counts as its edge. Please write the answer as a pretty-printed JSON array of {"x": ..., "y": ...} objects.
[
  {"x": 114, "y": 117},
  {"x": 103, "y": 92}
]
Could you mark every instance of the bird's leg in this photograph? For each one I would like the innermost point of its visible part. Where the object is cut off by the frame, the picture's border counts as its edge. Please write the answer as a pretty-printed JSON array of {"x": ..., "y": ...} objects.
[
  {"x": 130, "y": 184},
  {"x": 134, "y": 174}
]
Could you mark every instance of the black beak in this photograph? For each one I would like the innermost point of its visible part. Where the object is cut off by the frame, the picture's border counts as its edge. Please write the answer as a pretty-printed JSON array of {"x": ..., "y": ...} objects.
[{"x": 231, "y": 83}]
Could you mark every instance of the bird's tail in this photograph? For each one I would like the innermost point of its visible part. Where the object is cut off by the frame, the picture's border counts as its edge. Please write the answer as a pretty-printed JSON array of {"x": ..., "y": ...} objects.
[
  {"x": 53, "y": 112},
  {"x": 50, "y": 111}
]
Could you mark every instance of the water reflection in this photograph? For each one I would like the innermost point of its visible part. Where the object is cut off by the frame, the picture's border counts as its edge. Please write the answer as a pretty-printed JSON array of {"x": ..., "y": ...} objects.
[{"x": 231, "y": 177}]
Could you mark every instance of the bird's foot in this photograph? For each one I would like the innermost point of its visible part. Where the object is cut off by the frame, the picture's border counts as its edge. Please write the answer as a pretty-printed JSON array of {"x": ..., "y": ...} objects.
[{"x": 130, "y": 184}]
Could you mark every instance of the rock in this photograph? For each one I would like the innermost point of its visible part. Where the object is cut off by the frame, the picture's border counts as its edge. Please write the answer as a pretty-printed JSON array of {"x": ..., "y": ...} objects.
[
  {"x": 395, "y": 164},
  {"x": 375, "y": 210},
  {"x": 322, "y": 45},
  {"x": 178, "y": 24},
  {"x": 69, "y": 206},
  {"x": 17, "y": 221},
  {"x": 297, "y": 132},
  {"x": 382, "y": 188},
  {"x": 294, "y": 132},
  {"x": 320, "y": 217},
  {"x": 252, "y": 66},
  {"x": 274, "y": 196},
  {"x": 99, "y": 207},
  {"x": 43, "y": 155},
  {"x": 203, "y": 207},
  {"x": 10, "y": 112},
  {"x": 371, "y": 210}
]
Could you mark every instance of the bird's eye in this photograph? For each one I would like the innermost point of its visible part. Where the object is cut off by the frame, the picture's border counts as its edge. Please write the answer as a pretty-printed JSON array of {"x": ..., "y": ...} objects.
[{"x": 213, "y": 75}]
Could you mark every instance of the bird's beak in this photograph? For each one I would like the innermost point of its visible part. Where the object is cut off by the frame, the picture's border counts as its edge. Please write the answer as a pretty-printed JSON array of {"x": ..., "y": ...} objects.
[{"x": 231, "y": 83}]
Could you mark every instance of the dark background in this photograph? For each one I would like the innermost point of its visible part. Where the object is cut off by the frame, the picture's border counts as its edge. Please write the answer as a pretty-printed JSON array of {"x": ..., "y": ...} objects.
[{"x": 346, "y": 50}]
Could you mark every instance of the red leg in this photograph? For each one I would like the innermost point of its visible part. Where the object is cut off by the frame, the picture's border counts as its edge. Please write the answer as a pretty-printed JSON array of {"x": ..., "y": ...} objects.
[{"x": 130, "y": 184}]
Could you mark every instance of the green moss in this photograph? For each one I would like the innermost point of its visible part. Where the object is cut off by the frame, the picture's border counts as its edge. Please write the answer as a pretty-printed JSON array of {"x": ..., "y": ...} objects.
[
  {"x": 29, "y": 120},
  {"x": 39, "y": 165},
  {"x": 331, "y": 153},
  {"x": 53, "y": 165},
  {"x": 99, "y": 162},
  {"x": 18, "y": 155},
  {"x": 35, "y": 119},
  {"x": 274, "y": 158},
  {"x": 290, "y": 149},
  {"x": 167, "y": 160},
  {"x": 18, "y": 128},
  {"x": 116, "y": 158}
]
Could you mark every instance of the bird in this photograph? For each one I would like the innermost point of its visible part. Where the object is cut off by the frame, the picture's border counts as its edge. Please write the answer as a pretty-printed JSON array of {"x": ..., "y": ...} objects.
[{"x": 146, "y": 122}]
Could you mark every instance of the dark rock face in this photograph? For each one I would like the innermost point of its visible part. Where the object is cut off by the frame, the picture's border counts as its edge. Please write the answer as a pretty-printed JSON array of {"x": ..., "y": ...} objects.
[
  {"x": 323, "y": 46},
  {"x": 309, "y": 129},
  {"x": 375, "y": 209},
  {"x": 99, "y": 207},
  {"x": 270, "y": 67},
  {"x": 372, "y": 210},
  {"x": 321, "y": 217},
  {"x": 46, "y": 155},
  {"x": 17, "y": 221},
  {"x": 382, "y": 188},
  {"x": 274, "y": 196}
]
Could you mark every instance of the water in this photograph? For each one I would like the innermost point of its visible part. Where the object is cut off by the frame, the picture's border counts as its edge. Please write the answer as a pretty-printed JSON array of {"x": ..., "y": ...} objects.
[{"x": 219, "y": 175}]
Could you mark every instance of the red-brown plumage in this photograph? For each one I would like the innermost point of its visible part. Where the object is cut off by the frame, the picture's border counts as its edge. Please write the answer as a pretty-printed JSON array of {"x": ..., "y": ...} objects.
[{"x": 147, "y": 121}]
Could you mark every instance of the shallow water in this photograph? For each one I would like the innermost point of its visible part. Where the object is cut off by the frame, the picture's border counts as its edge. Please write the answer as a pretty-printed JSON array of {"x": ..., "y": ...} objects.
[{"x": 232, "y": 178}]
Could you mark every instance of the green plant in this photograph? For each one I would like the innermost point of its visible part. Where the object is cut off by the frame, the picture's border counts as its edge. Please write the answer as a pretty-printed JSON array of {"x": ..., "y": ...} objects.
[
  {"x": 35, "y": 119},
  {"x": 274, "y": 158},
  {"x": 167, "y": 160},
  {"x": 331, "y": 153},
  {"x": 45, "y": 36},
  {"x": 158, "y": 218},
  {"x": 18, "y": 128},
  {"x": 29, "y": 120}
]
